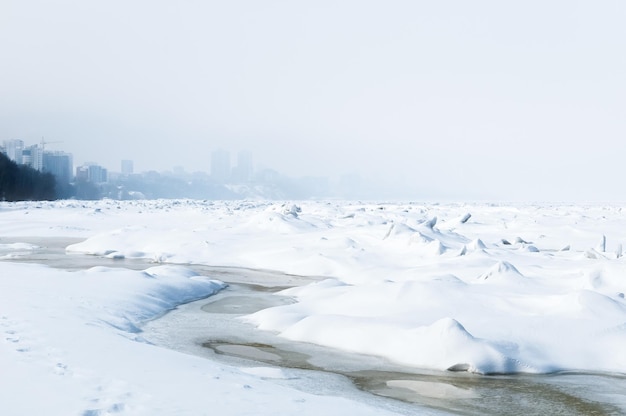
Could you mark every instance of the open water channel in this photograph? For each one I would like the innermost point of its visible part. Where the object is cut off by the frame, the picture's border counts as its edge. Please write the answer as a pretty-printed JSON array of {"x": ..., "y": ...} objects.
[{"x": 212, "y": 328}]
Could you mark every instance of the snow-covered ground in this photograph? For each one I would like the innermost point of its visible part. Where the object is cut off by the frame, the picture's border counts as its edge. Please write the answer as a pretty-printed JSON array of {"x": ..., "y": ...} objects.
[{"x": 484, "y": 288}]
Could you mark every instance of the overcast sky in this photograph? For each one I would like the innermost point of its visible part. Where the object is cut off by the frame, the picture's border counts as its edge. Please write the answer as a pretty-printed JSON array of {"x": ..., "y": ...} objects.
[{"x": 497, "y": 100}]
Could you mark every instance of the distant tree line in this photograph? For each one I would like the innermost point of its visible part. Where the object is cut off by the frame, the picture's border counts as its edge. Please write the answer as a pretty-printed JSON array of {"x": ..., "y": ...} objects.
[{"x": 20, "y": 182}]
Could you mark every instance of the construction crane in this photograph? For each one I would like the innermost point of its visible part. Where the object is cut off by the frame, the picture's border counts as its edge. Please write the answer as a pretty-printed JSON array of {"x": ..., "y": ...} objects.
[{"x": 44, "y": 143}]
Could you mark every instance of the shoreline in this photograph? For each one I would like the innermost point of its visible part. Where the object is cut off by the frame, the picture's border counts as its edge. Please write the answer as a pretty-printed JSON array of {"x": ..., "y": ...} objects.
[
  {"x": 425, "y": 388},
  {"x": 462, "y": 393}
]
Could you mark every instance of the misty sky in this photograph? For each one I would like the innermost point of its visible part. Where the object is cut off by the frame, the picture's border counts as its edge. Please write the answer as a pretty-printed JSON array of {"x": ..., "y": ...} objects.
[{"x": 495, "y": 100}]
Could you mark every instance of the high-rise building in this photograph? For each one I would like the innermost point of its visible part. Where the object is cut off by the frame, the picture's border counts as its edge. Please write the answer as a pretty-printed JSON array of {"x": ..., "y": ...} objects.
[
  {"x": 59, "y": 164},
  {"x": 220, "y": 166},
  {"x": 32, "y": 156},
  {"x": 127, "y": 167},
  {"x": 91, "y": 172},
  {"x": 244, "y": 169},
  {"x": 98, "y": 174},
  {"x": 13, "y": 149},
  {"x": 27, "y": 157}
]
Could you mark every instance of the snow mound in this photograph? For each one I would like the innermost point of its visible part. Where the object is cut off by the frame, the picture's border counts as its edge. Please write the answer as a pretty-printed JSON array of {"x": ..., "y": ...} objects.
[
  {"x": 154, "y": 291},
  {"x": 283, "y": 223},
  {"x": 292, "y": 210},
  {"x": 476, "y": 244},
  {"x": 430, "y": 223},
  {"x": 443, "y": 345},
  {"x": 398, "y": 229},
  {"x": 465, "y": 218},
  {"x": 529, "y": 249},
  {"x": 502, "y": 271},
  {"x": 420, "y": 238}
]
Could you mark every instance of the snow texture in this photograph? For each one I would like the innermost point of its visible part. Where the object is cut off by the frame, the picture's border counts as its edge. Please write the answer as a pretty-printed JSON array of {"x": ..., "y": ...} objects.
[{"x": 482, "y": 288}]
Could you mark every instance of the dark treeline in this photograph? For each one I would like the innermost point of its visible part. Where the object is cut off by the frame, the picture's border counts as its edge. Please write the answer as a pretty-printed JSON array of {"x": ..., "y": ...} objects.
[{"x": 20, "y": 183}]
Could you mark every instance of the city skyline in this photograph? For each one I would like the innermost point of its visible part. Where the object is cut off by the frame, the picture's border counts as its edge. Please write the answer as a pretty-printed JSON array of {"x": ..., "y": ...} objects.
[
  {"x": 91, "y": 180},
  {"x": 9, "y": 147},
  {"x": 220, "y": 170}
]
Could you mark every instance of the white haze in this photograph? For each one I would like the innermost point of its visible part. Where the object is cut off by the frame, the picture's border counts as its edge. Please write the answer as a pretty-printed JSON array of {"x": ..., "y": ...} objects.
[{"x": 451, "y": 99}]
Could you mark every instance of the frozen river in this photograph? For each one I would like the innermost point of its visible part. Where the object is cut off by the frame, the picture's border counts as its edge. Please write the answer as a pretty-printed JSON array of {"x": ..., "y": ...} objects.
[{"x": 211, "y": 328}]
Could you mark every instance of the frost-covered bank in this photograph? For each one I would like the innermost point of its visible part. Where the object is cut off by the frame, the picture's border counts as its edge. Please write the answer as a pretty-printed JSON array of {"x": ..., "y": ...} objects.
[
  {"x": 469, "y": 287},
  {"x": 70, "y": 346}
]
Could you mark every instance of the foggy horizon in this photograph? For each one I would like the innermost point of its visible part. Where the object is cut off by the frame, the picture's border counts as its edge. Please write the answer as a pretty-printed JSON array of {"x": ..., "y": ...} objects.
[{"x": 454, "y": 100}]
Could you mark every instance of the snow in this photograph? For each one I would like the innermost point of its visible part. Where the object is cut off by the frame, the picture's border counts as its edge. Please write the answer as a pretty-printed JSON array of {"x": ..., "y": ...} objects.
[
  {"x": 71, "y": 346},
  {"x": 483, "y": 288}
]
